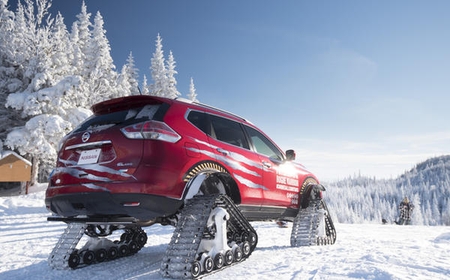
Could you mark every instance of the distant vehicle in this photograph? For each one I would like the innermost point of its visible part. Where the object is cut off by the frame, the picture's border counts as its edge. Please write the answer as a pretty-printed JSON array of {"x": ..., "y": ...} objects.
[{"x": 141, "y": 160}]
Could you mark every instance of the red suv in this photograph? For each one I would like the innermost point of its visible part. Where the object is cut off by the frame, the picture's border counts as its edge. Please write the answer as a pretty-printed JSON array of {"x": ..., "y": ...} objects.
[{"x": 141, "y": 160}]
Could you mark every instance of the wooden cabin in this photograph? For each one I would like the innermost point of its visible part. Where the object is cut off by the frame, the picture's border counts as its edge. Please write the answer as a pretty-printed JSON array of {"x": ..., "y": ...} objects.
[{"x": 15, "y": 173}]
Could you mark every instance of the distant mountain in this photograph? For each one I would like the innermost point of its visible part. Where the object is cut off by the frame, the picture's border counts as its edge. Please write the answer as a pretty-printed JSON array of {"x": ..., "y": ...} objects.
[
  {"x": 433, "y": 171},
  {"x": 430, "y": 181},
  {"x": 364, "y": 199}
]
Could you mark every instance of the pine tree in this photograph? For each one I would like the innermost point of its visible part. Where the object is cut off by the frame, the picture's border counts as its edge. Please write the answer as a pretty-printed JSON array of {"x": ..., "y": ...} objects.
[
  {"x": 130, "y": 73},
  {"x": 6, "y": 37},
  {"x": 123, "y": 84},
  {"x": 192, "y": 92},
  {"x": 172, "y": 91},
  {"x": 44, "y": 98},
  {"x": 79, "y": 38},
  {"x": 77, "y": 61},
  {"x": 101, "y": 76},
  {"x": 81, "y": 35},
  {"x": 145, "y": 86},
  {"x": 435, "y": 213},
  {"x": 61, "y": 54},
  {"x": 22, "y": 40},
  {"x": 39, "y": 71},
  {"x": 417, "y": 216},
  {"x": 8, "y": 81},
  {"x": 446, "y": 212},
  {"x": 158, "y": 70}
]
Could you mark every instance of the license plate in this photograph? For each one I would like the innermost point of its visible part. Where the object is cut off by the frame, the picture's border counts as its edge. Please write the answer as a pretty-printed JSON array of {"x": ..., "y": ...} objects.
[{"x": 89, "y": 156}]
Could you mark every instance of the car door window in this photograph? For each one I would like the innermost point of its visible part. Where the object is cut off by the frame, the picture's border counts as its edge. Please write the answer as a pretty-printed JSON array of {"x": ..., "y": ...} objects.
[
  {"x": 262, "y": 145},
  {"x": 228, "y": 131}
]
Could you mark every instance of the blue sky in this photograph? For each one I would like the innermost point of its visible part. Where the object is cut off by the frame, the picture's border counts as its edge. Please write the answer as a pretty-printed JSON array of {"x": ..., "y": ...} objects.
[{"x": 353, "y": 86}]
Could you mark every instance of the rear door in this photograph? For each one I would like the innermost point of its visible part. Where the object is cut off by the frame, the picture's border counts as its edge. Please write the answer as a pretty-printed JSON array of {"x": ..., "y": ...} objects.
[{"x": 232, "y": 149}]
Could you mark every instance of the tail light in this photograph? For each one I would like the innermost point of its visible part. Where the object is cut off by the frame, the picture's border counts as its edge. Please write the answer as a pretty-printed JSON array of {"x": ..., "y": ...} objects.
[{"x": 154, "y": 130}]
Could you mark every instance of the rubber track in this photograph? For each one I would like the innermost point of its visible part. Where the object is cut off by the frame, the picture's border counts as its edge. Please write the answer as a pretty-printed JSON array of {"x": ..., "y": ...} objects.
[
  {"x": 306, "y": 223},
  {"x": 67, "y": 243},
  {"x": 59, "y": 258},
  {"x": 182, "y": 250},
  {"x": 330, "y": 230}
]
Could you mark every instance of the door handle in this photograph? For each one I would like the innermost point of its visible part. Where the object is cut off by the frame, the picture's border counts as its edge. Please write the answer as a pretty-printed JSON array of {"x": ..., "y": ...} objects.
[
  {"x": 223, "y": 152},
  {"x": 266, "y": 164}
]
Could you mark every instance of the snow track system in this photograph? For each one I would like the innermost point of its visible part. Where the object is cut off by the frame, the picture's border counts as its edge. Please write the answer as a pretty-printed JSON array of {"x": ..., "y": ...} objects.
[
  {"x": 313, "y": 226},
  {"x": 97, "y": 248},
  {"x": 211, "y": 234}
]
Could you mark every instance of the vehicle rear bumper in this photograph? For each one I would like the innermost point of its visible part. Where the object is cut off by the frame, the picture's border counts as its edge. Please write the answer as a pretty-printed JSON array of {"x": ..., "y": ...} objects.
[{"x": 106, "y": 204}]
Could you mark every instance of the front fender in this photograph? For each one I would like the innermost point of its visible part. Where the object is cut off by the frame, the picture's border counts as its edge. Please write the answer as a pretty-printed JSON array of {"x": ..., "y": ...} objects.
[{"x": 311, "y": 192}]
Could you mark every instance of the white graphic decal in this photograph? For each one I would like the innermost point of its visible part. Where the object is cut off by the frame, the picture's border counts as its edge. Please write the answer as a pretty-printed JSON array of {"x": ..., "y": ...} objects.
[
  {"x": 287, "y": 178},
  {"x": 95, "y": 187},
  {"x": 228, "y": 161},
  {"x": 249, "y": 183},
  {"x": 83, "y": 172}
]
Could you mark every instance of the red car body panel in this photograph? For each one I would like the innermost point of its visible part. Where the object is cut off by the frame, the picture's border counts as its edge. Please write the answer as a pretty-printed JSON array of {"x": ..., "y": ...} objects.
[{"x": 99, "y": 158}]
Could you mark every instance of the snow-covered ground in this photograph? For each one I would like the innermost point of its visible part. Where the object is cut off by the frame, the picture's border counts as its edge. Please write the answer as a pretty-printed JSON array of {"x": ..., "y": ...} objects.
[{"x": 362, "y": 251}]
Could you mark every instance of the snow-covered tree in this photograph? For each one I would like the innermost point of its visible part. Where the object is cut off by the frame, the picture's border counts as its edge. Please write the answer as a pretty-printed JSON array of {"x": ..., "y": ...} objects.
[
  {"x": 133, "y": 75},
  {"x": 50, "y": 76},
  {"x": 6, "y": 36},
  {"x": 23, "y": 46},
  {"x": 39, "y": 137},
  {"x": 123, "y": 83},
  {"x": 171, "y": 91},
  {"x": 163, "y": 73},
  {"x": 426, "y": 186},
  {"x": 158, "y": 70},
  {"x": 446, "y": 212},
  {"x": 145, "y": 86},
  {"x": 192, "y": 92},
  {"x": 417, "y": 217},
  {"x": 52, "y": 116},
  {"x": 43, "y": 63},
  {"x": 8, "y": 80},
  {"x": 128, "y": 78},
  {"x": 80, "y": 38},
  {"x": 61, "y": 53},
  {"x": 77, "y": 54},
  {"x": 101, "y": 76}
]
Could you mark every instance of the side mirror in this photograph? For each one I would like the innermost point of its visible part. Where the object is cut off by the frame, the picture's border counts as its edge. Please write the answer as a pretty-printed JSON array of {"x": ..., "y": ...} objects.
[{"x": 290, "y": 155}]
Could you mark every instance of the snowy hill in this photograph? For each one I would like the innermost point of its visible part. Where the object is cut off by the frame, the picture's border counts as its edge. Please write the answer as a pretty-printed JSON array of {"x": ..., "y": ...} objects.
[
  {"x": 363, "y": 199},
  {"x": 365, "y": 251},
  {"x": 432, "y": 171}
]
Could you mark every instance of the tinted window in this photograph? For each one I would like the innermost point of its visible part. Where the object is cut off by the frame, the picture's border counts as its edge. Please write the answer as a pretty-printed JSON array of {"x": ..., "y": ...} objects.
[
  {"x": 263, "y": 145},
  {"x": 200, "y": 120},
  {"x": 121, "y": 117},
  {"x": 228, "y": 131}
]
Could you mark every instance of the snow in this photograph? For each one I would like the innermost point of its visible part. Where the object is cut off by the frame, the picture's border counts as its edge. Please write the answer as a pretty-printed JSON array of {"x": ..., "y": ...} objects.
[
  {"x": 362, "y": 251},
  {"x": 4, "y": 154},
  {"x": 51, "y": 117}
]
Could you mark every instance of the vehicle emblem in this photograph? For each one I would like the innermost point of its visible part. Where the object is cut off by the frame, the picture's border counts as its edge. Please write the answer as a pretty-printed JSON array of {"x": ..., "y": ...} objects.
[{"x": 85, "y": 136}]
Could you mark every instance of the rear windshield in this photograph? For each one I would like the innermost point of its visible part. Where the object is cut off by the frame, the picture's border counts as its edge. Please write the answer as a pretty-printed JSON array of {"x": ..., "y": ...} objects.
[{"x": 101, "y": 122}]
